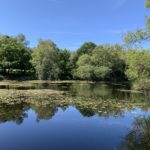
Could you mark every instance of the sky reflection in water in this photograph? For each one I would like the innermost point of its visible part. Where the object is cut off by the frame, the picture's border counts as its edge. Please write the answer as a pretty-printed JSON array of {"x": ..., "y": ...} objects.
[{"x": 31, "y": 126}]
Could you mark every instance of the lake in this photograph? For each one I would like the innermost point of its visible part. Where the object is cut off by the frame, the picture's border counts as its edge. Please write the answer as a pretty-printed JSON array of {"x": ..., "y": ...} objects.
[{"x": 68, "y": 116}]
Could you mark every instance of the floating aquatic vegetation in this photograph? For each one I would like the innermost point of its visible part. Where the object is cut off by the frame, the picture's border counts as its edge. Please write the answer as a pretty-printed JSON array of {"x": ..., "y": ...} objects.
[{"x": 45, "y": 102}]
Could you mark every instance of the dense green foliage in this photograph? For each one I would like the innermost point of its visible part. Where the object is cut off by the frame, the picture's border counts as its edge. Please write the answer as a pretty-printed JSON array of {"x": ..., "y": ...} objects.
[
  {"x": 89, "y": 62},
  {"x": 86, "y": 48},
  {"x": 14, "y": 54},
  {"x": 65, "y": 65},
  {"x": 105, "y": 62},
  {"x": 45, "y": 60},
  {"x": 138, "y": 62}
]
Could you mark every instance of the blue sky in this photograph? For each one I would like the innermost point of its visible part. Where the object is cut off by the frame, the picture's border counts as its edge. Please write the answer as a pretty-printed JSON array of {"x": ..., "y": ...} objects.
[{"x": 69, "y": 23}]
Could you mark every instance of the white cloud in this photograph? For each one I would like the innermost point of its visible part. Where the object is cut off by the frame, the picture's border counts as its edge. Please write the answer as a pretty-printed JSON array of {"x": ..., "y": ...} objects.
[
  {"x": 73, "y": 33},
  {"x": 66, "y": 33},
  {"x": 116, "y": 31}
]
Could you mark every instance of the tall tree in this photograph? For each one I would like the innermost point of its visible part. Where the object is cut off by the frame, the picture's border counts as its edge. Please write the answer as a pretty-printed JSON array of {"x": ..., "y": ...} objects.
[
  {"x": 105, "y": 62},
  {"x": 108, "y": 62},
  {"x": 13, "y": 55},
  {"x": 138, "y": 62},
  {"x": 85, "y": 48},
  {"x": 45, "y": 59}
]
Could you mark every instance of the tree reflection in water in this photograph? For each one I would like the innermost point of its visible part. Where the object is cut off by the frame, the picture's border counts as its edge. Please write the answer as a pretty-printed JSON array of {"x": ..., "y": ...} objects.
[
  {"x": 46, "y": 108},
  {"x": 139, "y": 137},
  {"x": 15, "y": 113},
  {"x": 89, "y": 100}
]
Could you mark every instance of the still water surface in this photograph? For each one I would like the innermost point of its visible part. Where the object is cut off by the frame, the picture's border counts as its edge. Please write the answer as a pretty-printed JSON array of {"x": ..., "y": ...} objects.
[{"x": 51, "y": 127}]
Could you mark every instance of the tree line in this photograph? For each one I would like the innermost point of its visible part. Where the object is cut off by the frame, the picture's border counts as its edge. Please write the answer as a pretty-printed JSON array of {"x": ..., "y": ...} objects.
[{"x": 89, "y": 62}]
